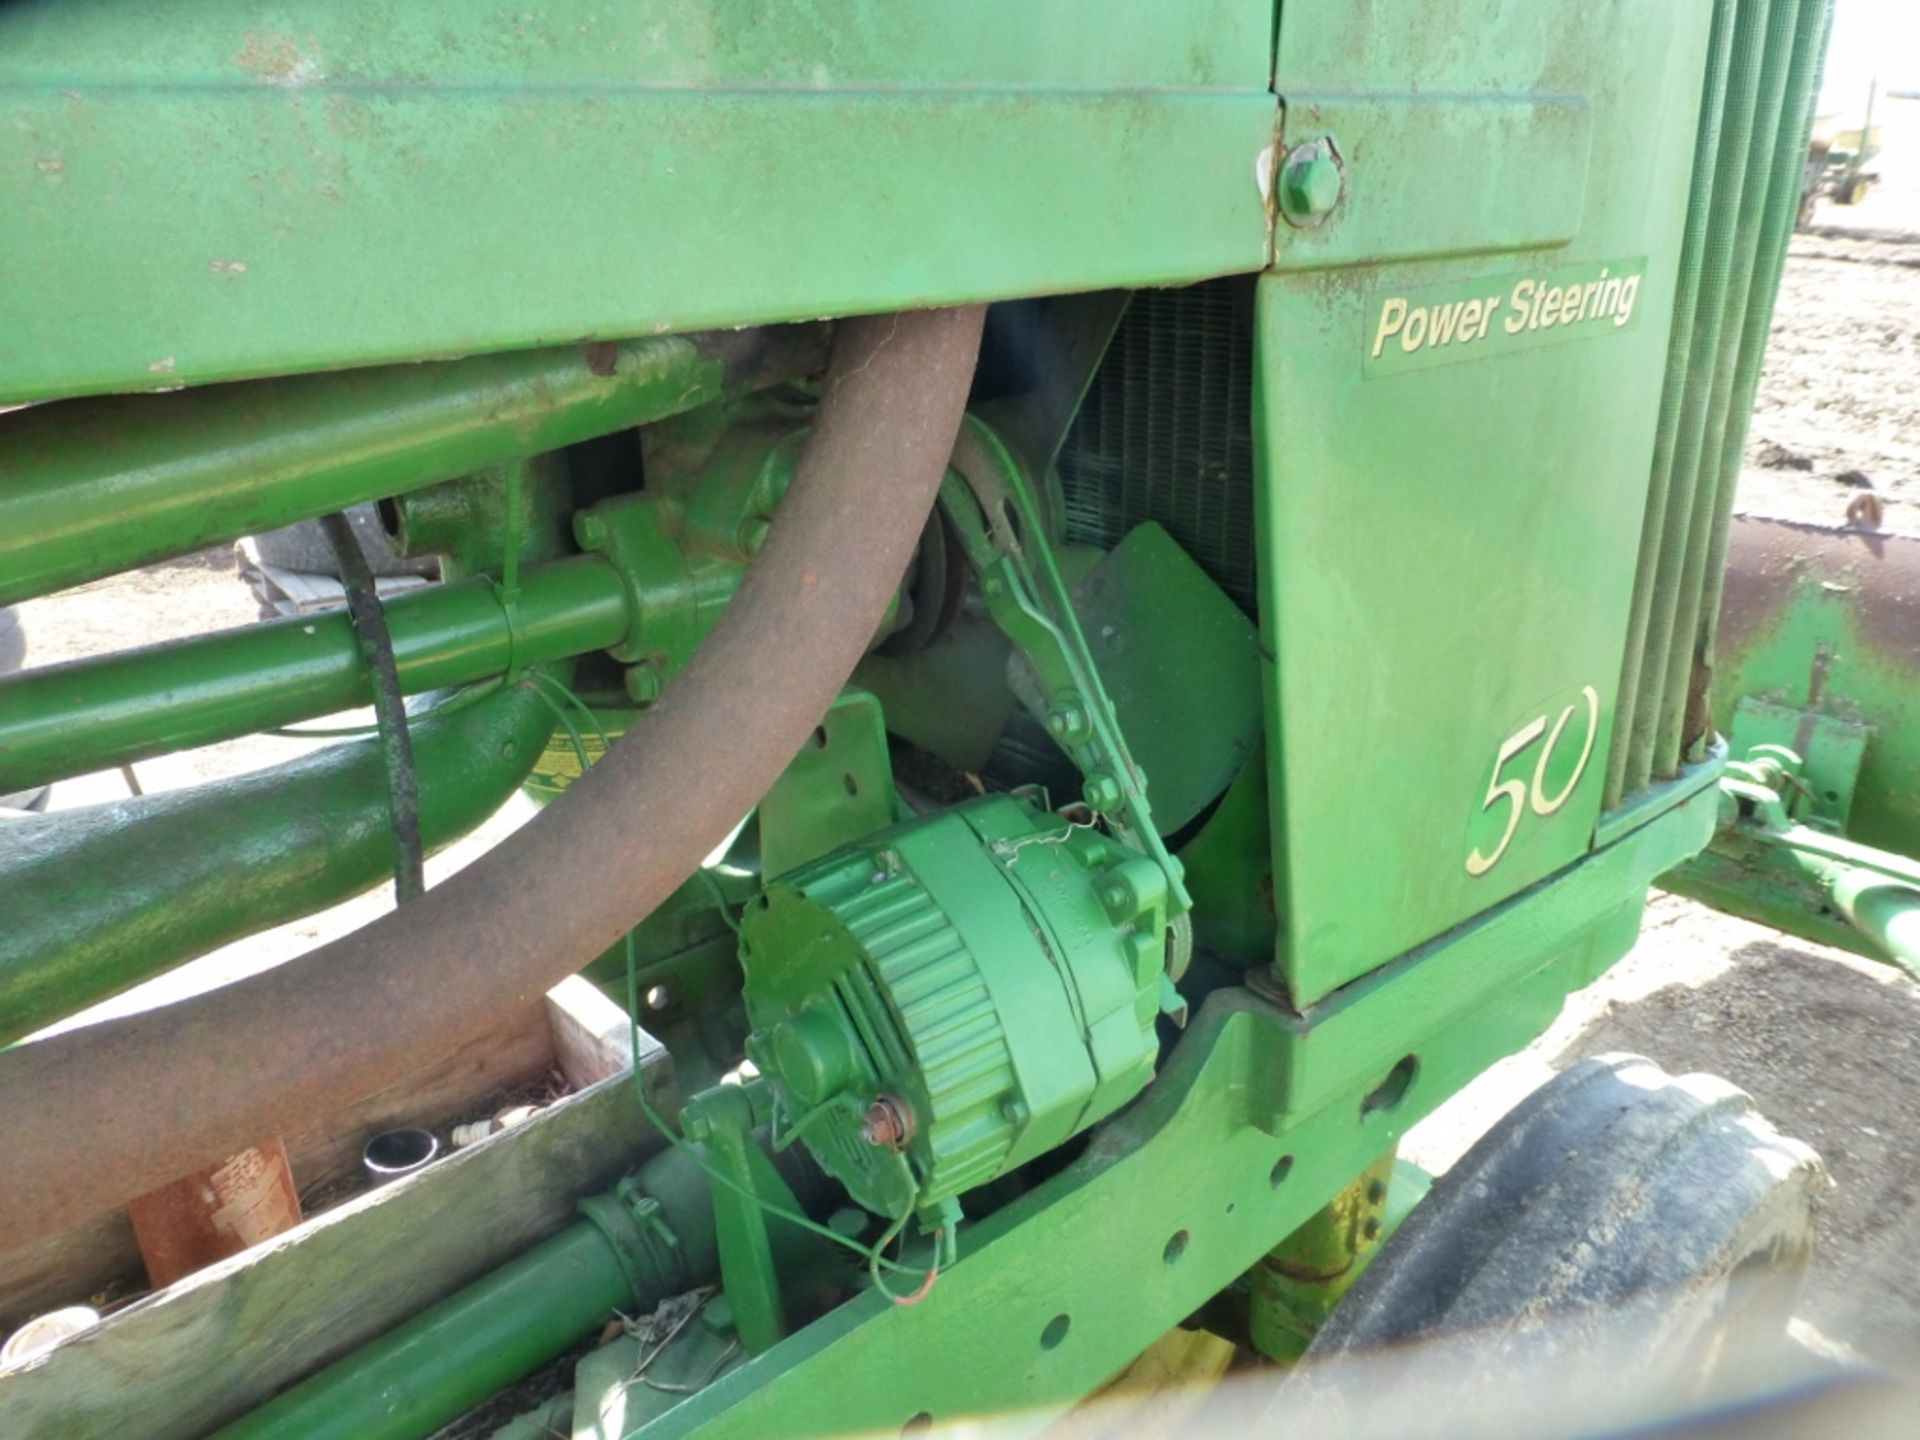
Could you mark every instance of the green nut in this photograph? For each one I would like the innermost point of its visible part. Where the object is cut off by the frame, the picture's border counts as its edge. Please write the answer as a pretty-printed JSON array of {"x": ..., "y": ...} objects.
[
  {"x": 1067, "y": 720},
  {"x": 1103, "y": 792},
  {"x": 1310, "y": 183}
]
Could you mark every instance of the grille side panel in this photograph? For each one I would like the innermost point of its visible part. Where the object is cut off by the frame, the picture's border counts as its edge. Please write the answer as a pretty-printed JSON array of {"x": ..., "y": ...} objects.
[{"x": 1757, "y": 114}]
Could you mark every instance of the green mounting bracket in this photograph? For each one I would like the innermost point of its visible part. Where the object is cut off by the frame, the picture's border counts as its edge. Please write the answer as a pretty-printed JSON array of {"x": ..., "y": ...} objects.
[
  {"x": 722, "y": 1120},
  {"x": 991, "y": 505},
  {"x": 1828, "y": 748}
]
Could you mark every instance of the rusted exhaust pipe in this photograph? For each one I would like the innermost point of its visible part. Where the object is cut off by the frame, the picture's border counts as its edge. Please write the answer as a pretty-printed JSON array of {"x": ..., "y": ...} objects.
[{"x": 122, "y": 1107}]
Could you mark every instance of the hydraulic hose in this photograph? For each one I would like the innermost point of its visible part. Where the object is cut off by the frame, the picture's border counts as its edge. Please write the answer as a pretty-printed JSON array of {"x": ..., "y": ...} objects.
[{"x": 122, "y": 1107}]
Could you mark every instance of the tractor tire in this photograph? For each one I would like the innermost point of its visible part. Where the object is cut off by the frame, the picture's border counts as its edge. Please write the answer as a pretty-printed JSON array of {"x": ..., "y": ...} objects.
[
  {"x": 1619, "y": 1222},
  {"x": 303, "y": 547}
]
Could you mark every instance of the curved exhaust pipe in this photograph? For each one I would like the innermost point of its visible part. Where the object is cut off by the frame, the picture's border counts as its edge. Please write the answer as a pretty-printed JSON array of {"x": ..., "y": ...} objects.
[{"x": 122, "y": 1107}]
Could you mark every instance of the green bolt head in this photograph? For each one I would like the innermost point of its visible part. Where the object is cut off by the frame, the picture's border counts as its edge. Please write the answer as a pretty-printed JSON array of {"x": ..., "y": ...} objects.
[
  {"x": 1310, "y": 183},
  {"x": 590, "y": 530},
  {"x": 644, "y": 683}
]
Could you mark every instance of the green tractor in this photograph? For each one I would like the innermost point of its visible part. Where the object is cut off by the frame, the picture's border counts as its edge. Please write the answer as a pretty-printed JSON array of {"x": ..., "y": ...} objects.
[{"x": 1107, "y": 603}]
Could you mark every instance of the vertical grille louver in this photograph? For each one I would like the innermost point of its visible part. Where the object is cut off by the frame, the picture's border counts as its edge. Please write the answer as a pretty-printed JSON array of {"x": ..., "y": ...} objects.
[{"x": 1756, "y": 116}]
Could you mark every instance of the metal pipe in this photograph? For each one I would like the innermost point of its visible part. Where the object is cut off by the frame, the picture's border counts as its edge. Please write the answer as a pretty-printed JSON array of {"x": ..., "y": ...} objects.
[
  {"x": 93, "y": 714},
  {"x": 507, "y": 1324},
  {"x": 99, "y": 899},
  {"x": 94, "y": 486},
  {"x": 1885, "y": 910},
  {"x": 122, "y": 1106}
]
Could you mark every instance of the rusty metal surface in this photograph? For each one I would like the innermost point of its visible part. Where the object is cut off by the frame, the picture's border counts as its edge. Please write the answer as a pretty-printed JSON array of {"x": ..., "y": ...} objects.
[{"x": 217, "y": 1211}]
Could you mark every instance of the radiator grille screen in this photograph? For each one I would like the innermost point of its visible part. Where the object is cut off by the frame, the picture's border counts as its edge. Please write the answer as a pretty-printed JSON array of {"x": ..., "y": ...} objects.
[{"x": 1165, "y": 432}]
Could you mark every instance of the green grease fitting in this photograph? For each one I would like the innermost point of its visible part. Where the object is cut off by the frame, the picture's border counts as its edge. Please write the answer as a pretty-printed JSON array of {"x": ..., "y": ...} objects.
[{"x": 1499, "y": 314}]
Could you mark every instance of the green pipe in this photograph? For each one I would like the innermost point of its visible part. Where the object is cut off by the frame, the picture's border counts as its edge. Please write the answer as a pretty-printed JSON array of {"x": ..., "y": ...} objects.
[
  {"x": 92, "y": 714},
  {"x": 94, "y": 486},
  {"x": 510, "y": 1322},
  {"x": 1886, "y": 911},
  {"x": 461, "y": 1351},
  {"x": 99, "y": 899}
]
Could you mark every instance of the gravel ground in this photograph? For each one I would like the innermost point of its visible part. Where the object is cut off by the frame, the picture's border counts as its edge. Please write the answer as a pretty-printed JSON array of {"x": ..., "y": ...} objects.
[{"x": 1826, "y": 1043}]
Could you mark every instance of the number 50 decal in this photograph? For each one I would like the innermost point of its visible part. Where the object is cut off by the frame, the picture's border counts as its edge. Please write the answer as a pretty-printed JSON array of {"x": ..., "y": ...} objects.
[{"x": 1515, "y": 793}]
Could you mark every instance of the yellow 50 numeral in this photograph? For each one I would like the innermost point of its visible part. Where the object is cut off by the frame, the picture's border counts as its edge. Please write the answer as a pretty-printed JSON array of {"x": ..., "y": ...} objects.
[{"x": 1517, "y": 795}]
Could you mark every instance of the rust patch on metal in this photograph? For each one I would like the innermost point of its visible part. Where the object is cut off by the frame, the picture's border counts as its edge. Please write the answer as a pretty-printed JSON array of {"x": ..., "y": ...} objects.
[
  {"x": 603, "y": 357},
  {"x": 1768, "y": 560}
]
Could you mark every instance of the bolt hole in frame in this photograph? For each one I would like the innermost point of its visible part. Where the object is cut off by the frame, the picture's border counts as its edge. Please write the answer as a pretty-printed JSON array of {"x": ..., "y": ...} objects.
[
  {"x": 1176, "y": 1246},
  {"x": 1056, "y": 1331},
  {"x": 1392, "y": 1090},
  {"x": 919, "y": 1425},
  {"x": 1282, "y": 1168}
]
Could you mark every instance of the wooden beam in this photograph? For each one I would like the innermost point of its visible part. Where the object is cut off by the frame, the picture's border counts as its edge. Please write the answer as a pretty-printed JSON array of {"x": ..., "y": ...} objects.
[
  {"x": 592, "y": 1036},
  {"x": 77, "y": 1263},
  {"x": 200, "y": 1353}
]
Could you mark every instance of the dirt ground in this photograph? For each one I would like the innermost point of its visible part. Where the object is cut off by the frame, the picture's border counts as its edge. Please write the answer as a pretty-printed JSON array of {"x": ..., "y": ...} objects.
[{"x": 1828, "y": 1045}]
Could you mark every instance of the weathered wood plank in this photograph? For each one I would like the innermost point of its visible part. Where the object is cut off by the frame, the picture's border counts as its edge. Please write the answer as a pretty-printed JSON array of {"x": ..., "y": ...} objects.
[
  {"x": 203, "y": 1351},
  {"x": 592, "y": 1036},
  {"x": 81, "y": 1261}
]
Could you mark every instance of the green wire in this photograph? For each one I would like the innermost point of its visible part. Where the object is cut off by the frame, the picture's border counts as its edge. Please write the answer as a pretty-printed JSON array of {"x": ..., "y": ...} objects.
[{"x": 875, "y": 1260}]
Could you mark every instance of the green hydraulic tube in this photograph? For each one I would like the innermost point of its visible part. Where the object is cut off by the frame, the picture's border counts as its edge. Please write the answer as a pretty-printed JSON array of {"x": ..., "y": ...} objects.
[
  {"x": 91, "y": 714},
  {"x": 1885, "y": 911},
  {"x": 648, "y": 1239},
  {"x": 92, "y": 487},
  {"x": 461, "y": 1351},
  {"x": 99, "y": 899}
]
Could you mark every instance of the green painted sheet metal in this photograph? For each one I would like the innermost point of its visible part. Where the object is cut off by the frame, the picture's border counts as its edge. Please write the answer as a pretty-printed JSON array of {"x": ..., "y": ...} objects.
[
  {"x": 290, "y": 187},
  {"x": 1394, "y": 145},
  {"x": 1452, "y": 459}
]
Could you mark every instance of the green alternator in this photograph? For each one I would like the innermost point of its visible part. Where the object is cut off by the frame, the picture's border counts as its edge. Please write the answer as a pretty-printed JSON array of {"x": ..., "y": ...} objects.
[{"x": 951, "y": 998}]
